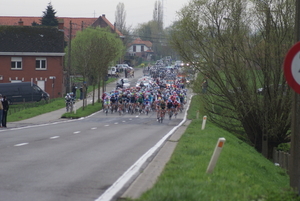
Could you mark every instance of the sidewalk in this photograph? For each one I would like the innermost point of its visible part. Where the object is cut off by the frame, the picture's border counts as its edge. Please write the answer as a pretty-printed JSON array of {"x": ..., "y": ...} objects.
[{"x": 56, "y": 115}]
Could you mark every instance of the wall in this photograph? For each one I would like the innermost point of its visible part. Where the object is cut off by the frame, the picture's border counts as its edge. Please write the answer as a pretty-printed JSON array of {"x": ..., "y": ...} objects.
[{"x": 28, "y": 73}]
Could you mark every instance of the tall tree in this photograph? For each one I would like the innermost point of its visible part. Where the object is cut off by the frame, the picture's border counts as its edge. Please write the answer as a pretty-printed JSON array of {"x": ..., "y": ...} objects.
[
  {"x": 239, "y": 46},
  {"x": 120, "y": 17},
  {"x": 158, "y": 15},
  {"x": 49, "y": 18},
  {"x": 93, "y": 50}
]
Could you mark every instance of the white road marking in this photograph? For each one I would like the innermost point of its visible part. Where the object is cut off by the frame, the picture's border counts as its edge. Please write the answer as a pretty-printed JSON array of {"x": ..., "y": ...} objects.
[
  {"x": 94, "y": 128},
  {"x": 76, "y": 132},
  {"x": 106, "y": 125},
  {"x": 130, "y": 119},
  {"x": 116, "y": 123},
  {"x": 123, "y": 121},
  {"x": 136, "y": 167},
  {"x": 54, "y": 137},
  {"x": 136, "y": 116},
  {"x": 22, "y": 144}
]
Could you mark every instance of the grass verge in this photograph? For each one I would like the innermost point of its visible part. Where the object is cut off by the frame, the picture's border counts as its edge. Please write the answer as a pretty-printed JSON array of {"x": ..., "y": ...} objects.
[
  {"x": 35, "y": 111},
  {"x": 89, "y": 109},
  {"x": 241, "y": 173}
]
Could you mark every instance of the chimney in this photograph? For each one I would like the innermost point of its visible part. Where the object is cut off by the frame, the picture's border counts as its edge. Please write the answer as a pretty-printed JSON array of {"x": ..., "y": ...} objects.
[
  {"x": 21, "y": 23},
  {"x": 60, "y": 24},
  {"x": 103, "y": 15}
]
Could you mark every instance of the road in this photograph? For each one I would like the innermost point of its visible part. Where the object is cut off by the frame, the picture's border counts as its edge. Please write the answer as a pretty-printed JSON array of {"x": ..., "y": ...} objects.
[{"x": 74, "y": 160}]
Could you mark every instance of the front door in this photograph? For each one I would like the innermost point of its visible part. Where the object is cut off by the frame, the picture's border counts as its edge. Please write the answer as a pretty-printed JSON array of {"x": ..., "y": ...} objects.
[{"x": 41, "y": 84}]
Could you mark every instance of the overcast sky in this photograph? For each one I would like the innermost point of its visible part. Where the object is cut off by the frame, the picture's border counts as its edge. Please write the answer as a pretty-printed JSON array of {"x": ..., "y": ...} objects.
[{"x": 138, "y": 11}]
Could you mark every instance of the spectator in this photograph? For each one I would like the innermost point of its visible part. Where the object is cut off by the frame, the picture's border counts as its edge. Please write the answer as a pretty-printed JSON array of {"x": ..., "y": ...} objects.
[
  {"x": 1, "y": 111},
  {"x": 74, "y": 89},
  {"x": 5, "y": 109},
  {"x": 81, "y": 93}
]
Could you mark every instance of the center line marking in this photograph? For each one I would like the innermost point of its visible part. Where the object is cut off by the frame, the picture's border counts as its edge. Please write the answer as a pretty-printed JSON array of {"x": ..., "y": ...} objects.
[
  {"x": 22, "y": 144},
  {"x": 76, "y": 132},
  {"x": 54, "y": 137},
  {"x": 106, "y": 125},
  {"x": 123, "y": 121},
  {"x": 94, "y": 128},
  {"x": 116, "y": 123}
]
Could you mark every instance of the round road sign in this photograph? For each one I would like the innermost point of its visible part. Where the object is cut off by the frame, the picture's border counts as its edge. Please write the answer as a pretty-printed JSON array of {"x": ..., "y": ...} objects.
[{"x": 292, "y": 67}]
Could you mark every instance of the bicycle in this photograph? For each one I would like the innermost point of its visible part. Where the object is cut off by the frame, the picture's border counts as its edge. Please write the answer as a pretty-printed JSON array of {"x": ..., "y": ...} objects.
[
  {"x": 120, "y": 108},
  {"x": 147, "y": 109},
  {"x": 161, "y": 115},
  {"x": 170, "y": 113}
]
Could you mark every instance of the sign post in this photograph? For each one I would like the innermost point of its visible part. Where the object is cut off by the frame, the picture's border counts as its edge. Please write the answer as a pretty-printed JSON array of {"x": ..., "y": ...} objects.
[{"x": 292, "y": 75}]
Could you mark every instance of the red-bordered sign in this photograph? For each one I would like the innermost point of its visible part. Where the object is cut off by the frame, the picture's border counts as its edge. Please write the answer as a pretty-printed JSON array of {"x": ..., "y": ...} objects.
[{"x": 292, "y": 67}]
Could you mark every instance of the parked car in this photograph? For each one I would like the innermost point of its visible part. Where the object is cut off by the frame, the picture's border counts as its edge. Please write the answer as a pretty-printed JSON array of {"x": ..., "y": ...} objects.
[
  {"x": 126, "y": 83},
  {"x": 122, "y": 66},
  {"x": 22, "y": 92},
  {"x": 112, "y": 72}
]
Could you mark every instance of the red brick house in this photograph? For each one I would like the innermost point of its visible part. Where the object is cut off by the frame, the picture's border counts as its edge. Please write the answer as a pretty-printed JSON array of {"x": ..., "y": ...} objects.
[
  {"x": 26, "y": 46},
  {"x": 33, "y": 54}
]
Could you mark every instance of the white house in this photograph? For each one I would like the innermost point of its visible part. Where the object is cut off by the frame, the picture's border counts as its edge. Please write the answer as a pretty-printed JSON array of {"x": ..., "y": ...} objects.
[{"x": 140, "y": 48}]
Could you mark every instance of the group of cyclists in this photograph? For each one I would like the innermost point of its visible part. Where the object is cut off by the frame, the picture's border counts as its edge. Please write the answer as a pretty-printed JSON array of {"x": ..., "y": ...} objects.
[{"x": 156, "y": 96}]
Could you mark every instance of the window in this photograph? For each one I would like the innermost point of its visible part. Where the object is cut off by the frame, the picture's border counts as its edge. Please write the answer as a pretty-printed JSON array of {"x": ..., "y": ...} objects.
[
  {"x": 142, "y": 48},
  {"x": 40, "y": 63},
  {"x": 134, "y": 48},
  {"x": 16, "y": 63}
]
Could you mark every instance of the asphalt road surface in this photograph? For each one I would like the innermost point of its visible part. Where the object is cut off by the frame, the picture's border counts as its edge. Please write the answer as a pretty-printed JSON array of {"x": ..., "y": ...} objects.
[{"x": 74, "y": 160}]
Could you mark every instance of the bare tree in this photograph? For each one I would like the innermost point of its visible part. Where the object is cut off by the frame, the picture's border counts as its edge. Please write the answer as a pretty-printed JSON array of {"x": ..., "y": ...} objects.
[
  {"x": 120, "y": 17},
  {"x": 239, "y": 46},
  {"x": 158, "y": 15}
]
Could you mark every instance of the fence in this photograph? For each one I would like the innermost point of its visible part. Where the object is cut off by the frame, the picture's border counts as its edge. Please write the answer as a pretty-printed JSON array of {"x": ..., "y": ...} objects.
[{"x": 282, "y": 158}]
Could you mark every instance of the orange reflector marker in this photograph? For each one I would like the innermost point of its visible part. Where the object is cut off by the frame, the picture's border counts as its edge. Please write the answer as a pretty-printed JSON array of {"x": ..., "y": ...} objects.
[
  {"x": 220, "y": 144},
  {"x": 204, "y": 122},
  {"x": 215, "y": 156}
]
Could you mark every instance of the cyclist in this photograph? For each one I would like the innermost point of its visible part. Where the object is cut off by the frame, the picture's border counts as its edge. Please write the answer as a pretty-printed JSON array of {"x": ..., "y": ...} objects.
[
  {"x": 161, "y": 108},
  {"x": 68, "y": 100},
  {"x": 170, "y": 107},
  {"x": 176, "y": 106},
  {"x": 106, "y": 103}
]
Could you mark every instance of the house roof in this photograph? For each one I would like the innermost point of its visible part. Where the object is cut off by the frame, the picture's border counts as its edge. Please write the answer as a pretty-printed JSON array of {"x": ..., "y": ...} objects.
[
  {"x": 77, "y": 23},
  {"x": 31, "y": 39},
  {"x": 105, "y": 20},
  {"x": 139, "y": 41}
]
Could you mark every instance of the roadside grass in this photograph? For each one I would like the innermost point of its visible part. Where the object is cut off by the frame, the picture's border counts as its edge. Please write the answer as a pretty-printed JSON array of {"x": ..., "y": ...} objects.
[
  {"x": 241, "y": 173},
  {"x": 89, "y": 109},
  {"x": 27, "y": 113}
]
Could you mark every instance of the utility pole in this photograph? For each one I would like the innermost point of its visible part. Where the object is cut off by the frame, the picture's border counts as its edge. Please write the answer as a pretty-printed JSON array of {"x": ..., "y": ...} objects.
[
  {"x": 69, "y": 59},
  {"x": 294, "y": 170}
]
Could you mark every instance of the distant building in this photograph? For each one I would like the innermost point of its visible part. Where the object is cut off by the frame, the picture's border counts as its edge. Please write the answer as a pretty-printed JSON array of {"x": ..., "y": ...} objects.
[{"x": 140, "y": 48}]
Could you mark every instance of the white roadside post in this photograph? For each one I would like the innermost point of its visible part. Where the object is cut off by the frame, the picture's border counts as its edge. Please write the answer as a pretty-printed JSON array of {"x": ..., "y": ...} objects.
[
  {"x": 204, "y": 122},
  {"x": 74, "y": 108},
  {"x": 215, "y": 156}
]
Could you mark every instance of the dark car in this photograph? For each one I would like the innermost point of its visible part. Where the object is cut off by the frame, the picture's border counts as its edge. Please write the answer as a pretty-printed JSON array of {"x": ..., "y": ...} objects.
[{"x": 22, "y": 92}]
